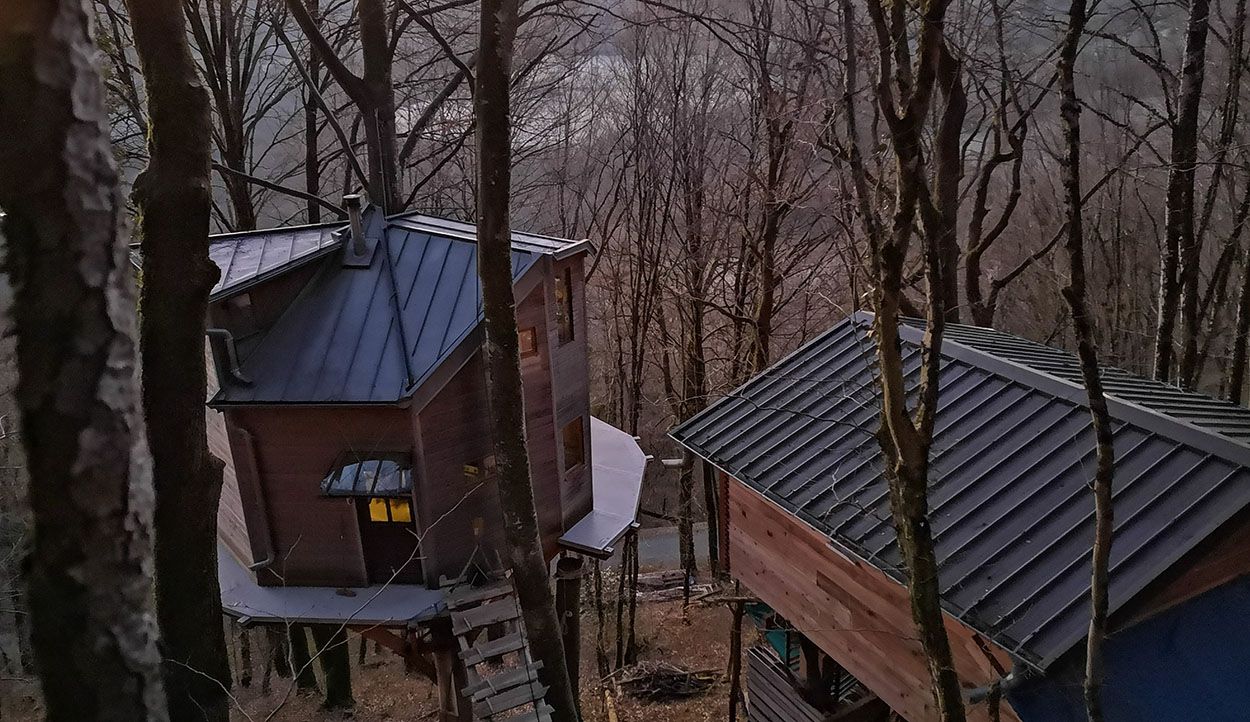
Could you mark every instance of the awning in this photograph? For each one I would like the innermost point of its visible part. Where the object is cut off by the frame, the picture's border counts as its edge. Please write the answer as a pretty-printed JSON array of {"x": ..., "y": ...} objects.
[{"x": 617, "y": 466}]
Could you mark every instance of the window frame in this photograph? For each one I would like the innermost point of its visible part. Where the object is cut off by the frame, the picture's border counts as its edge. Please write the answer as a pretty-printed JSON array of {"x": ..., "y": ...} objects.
[
  {"x": 566, "y": 326},
  {"x": 403, "y": 460},
  {"x": 528, "y": 348},
  {"x": 580, "y": 421}
]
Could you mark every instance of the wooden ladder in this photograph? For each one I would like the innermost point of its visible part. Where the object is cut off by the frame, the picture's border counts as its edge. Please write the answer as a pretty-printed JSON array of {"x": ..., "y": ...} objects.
[{"x": 501, "y": 674}]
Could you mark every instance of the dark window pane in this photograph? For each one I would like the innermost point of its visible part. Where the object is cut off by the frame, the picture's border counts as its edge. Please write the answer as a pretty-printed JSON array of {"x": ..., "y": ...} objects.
[
  {"x": 574, "y": 444},
  {"x": 390, "y": 475}
]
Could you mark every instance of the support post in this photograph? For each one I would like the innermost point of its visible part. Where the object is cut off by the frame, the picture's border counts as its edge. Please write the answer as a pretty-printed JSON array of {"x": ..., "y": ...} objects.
[
  {"x": 449, "y": 676},
  {"x": 569, "y": 611}
]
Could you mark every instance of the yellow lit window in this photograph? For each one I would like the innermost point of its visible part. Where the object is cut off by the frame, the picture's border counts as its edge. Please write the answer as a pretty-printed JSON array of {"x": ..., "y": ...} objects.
[
  {"x": 390, "y": 510},
  {"x": 401, "y": 510}
]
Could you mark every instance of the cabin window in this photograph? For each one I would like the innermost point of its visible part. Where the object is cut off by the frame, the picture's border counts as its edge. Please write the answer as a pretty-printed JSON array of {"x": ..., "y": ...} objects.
[
  {"x": 384, "y": 476},
  {"x": 574, "y": 436},
  {"x": 390, "y": 510},
  {"x": 528, "y": 338},
  {"x": 564, "y": 306}
]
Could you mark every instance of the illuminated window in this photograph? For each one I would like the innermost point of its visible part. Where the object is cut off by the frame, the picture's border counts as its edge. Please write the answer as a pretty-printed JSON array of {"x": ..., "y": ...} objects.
[
  {"x": 574, "y": 444},
  {"x": 564, "y": 306},
  {"x": 390, "y": 510},
  {"x": 528, "y": 338}
]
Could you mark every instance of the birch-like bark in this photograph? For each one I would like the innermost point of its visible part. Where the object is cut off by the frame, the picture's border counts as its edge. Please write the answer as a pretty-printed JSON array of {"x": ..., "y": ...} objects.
[
  {"x": 1178, "y": 269},
  {"x": 491, "y": 105},
  {"x": 1075, "y": 294},
  {"x": 90, "y": 569}
]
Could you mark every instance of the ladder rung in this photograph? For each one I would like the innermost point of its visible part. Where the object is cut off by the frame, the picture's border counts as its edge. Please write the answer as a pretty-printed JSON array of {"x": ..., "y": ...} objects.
[
  {"x": 499, "y": 647},
  {"x": 465, "y": 596},
  {"x": 531, "y": 693},
  {"x": 503, "y": 610},
  {"x": 542, "y": 714},
  {"x": 488, "y": 686}
]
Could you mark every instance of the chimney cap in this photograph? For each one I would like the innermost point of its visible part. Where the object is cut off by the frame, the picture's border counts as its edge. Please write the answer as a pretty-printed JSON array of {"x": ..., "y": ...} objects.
[{"x": 353, "y": 200}]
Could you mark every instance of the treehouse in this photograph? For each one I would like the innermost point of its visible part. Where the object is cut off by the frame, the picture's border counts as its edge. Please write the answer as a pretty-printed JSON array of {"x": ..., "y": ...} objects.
[
  {"x": 349, "y": 404},
  {"x": 805, "y": 509}
]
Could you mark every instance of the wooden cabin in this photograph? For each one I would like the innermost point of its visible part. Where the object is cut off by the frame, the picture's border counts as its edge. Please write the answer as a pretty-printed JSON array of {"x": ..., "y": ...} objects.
[
  {"x": 805, "y": 508},
  {"x": 350, "y": 406}
]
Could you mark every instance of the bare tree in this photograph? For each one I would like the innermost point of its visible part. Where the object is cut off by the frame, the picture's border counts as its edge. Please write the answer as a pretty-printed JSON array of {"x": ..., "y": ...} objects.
[
  {"x": 173, "y": 197},
  {"x": 1179, "y": 266},
  {"x": 1075, "y": 294},
  {"x": 491, "y": 105},
  {"x": 74, "y": 318},
  {"x": 904, "y": 96}
]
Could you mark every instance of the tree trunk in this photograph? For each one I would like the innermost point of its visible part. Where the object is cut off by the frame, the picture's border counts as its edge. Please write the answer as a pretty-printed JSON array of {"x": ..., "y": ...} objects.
[
  {"x": 569, "y": 572},
  {"x": 379, "y": 114},
  {"x": 1074, "y": 293},
  {"x": 173, "y": 195},
  {"x": 301, "y": 660},
  {"x": 73, "y": 314},
  {"x": 336, "y": 664},
  {"x": 1179, "y": 272},
  {"x": 491, "y": 103},
  {"x": 906, "y": 437}
]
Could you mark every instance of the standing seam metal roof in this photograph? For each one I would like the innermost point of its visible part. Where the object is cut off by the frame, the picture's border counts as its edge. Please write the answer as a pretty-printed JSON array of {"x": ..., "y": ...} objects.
[
  {"x": 1011, "y": 512},
  {"x": 372, "y": 335}
]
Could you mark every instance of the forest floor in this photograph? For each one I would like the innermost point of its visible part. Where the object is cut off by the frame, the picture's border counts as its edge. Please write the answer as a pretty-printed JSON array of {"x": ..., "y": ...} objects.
[{"x": 697, "y": 638}]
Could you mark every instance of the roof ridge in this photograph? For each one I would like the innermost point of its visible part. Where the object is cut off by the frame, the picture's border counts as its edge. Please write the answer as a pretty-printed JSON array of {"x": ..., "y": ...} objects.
[{"x": 1131, "y": 411}]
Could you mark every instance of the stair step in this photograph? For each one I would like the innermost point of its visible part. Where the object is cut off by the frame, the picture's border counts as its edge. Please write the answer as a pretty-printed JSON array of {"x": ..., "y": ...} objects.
[
  {"x": 531, "y": 693},
  {"x": 501, "y": 610},
  {"x": 498, "y": 683},
  {"x": 466, "y": 596},
  {"x": 489, "y": 650},
  {"x": 542, "y": 714}
]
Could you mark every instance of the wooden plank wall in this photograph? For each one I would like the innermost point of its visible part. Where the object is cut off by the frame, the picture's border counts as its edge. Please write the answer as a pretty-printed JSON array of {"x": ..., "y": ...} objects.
[
  {"x": 454, "y": 428},
  {"x": 770, "y": 695},
  {"x": 570, "y": 373},
  {"x": 852, "y": 610},
  {"x": 231, "y": 527},
  {"x": 316, "y": 539}
]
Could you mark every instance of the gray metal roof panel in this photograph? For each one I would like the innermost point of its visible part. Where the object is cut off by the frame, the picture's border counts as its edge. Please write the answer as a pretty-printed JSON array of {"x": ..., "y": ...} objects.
[
  {"x": 341, "y": 341},
  {"x": 1013, "y": 456},
  {"x": 249, "y": 257}
]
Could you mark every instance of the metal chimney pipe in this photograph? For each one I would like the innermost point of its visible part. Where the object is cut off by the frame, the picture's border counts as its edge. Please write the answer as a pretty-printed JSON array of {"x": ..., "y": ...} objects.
[{"x": 353, "y": 203}]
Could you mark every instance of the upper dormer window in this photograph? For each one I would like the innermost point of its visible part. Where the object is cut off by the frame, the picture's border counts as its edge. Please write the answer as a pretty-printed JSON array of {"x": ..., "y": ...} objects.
[
  {"x": 381, "y": 475},
  {"x": 564, "y": 305}
]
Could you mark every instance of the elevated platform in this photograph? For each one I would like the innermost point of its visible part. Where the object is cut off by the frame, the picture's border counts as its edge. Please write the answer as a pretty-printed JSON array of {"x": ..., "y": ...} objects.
[
  {"x": 392, "y": 605},
  {"x": 618, "y": 465}
]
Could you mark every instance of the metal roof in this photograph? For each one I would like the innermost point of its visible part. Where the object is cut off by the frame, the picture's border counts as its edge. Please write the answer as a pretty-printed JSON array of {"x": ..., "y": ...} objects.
[
  {"x": 1012, "y": 515},
  {"x": 1199, "y": 410},
  {"x": 250, "y": 257},
  {"x": 373, "y": 334}
]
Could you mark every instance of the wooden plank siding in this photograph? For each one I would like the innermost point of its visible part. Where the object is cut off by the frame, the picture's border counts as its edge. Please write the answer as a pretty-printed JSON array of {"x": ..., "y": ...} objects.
[
  {"x": 853, "y": 611},
  {"x": 570, "y": 380},
  {"x": 231, "y": 524},
  {"x": 316, "y": 540},
  {"x": 454, "y": 430}
]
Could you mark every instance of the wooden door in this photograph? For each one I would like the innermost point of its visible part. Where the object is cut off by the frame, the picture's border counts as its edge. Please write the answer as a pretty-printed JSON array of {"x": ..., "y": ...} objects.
[{"x": 388, "y": 537}]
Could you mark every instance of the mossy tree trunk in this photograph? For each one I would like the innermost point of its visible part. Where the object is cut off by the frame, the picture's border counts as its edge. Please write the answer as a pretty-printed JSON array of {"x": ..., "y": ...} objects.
[{"x": 173, "y": 196}]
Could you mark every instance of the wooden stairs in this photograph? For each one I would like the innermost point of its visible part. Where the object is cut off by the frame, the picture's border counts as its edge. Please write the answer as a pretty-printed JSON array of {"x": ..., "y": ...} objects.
[{"x": 501, "y": 674}]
